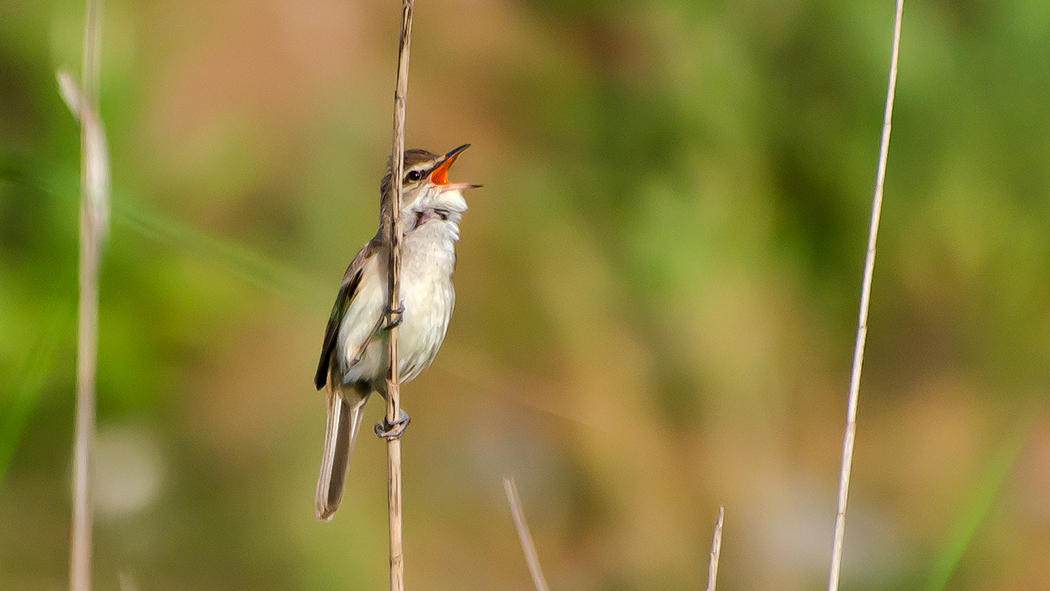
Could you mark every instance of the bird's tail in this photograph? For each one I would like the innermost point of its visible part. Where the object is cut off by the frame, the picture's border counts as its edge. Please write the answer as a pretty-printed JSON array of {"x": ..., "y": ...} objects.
[{"x": 344, "y": 423}]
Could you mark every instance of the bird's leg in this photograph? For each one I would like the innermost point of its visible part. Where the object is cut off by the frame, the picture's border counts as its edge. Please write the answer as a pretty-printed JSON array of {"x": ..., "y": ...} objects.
[
  {"x": 360, "y": 351},
  {"x": 385, "y": 322},
  {"x": 384, "y": 429},
  {"x": 394, "y": 317},
  {"x": 391, "y": 431}
]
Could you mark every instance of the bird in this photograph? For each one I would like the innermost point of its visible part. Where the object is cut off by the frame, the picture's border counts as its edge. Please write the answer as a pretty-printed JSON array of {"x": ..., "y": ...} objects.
[{"x": 355, "y": 353}]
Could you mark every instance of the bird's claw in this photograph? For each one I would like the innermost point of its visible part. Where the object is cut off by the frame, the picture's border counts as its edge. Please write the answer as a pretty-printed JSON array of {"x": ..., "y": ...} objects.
[
  {"x": 392, "y": 431},
  {"x": 394, "y": 317}
]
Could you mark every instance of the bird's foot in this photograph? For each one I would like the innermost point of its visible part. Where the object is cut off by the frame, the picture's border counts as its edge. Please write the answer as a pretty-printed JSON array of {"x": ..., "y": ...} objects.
[
  {"x": 391, "y": 431},
  {"x": 394, "y": 317}
]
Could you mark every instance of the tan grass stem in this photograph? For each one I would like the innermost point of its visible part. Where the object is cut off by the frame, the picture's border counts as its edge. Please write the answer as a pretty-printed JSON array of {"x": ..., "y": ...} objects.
[
  {"x": 393, "y": 408},
  {"x": 716, "y": 550},
  {"x": 531, "y": 558},
  {"x": 94, "y": 217},
  {"x": 862, "y": 322}
]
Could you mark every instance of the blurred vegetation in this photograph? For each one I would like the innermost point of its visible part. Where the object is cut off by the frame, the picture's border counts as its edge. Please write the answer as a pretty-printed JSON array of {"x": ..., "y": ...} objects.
[{"x": 657, "y": 292}]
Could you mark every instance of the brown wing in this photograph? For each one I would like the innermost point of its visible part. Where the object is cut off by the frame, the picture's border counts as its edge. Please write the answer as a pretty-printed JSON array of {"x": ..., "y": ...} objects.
[{"x": 347, "y": 291}]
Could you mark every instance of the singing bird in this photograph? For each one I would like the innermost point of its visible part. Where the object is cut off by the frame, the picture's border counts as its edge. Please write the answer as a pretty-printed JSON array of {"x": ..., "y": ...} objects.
[{"x": 355, "y": 355}]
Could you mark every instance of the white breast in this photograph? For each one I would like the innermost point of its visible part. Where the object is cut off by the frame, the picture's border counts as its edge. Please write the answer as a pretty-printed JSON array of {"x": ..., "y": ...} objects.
[
  {"x": 428, "y": 260},
  {"x": 428, "y": 263}
]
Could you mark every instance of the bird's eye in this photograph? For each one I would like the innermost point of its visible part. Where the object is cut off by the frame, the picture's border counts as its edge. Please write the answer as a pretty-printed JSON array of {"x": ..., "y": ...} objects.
[{"x": 413, "y": 176}]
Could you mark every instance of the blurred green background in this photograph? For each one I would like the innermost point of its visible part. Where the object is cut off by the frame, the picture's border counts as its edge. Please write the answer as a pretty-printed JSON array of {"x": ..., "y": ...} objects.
[{"x": 657, "y": 292}]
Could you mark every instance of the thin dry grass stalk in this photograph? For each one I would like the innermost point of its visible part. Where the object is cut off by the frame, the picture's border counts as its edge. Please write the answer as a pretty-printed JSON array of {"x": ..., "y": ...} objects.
[
  {"x": 393, "y": 408},
  {"x": 527, "y": 546},
  {"x": 716, "y": 550},
  {"x": 862, "y": 323},
  {"x": 94, "y": 218}
]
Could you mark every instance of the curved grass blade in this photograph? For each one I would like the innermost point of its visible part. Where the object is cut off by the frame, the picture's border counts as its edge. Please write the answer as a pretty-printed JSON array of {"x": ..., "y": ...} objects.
[
  {"x": 988, "y": 487},
  {"x": 239, "y": 260},
  {"x": 26, "y": 388}
]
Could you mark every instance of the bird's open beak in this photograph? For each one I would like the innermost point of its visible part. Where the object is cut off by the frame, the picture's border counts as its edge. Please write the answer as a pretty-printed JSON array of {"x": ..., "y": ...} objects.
[{"x": 440, "y": 174}]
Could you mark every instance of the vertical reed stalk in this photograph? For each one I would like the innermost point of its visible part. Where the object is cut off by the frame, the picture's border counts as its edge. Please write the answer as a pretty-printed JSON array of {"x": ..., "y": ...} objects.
[
  {"x": 393, "y": 399},
  {"x": 94, "y": 196},
  {"x": 716, "y": 550},
  {"x": 862, "y": 322}
]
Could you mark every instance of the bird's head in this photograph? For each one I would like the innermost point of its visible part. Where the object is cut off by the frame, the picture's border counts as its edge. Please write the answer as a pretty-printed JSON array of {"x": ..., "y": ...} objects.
[{"x": 426, "y": 190}]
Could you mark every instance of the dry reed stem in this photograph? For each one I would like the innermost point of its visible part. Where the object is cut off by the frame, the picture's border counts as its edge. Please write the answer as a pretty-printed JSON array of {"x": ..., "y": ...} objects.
[
  {"x": 716, "y": 550},
  {"x": 527, "y": 546},
  {"x": 393, "y": 398},
  {"x": 862, "y": 322},
  {"x": 94, "y": 217}
]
